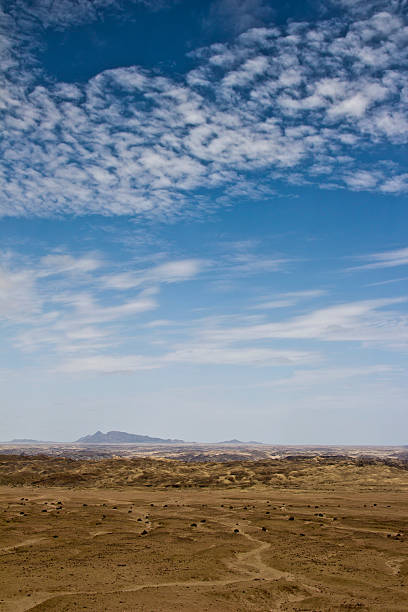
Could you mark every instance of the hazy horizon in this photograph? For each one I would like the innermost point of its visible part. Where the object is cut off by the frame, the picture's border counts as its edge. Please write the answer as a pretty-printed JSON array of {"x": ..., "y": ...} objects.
[
  {"x": 203, "y": 220},
  {"x": 215, "y": 440}
]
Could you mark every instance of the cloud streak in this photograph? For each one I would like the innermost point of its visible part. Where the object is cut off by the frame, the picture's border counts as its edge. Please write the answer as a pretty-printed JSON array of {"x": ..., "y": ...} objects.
[
  {"x": 70, "y": 305},
  {"x": 386, "y": 259},
  {"x": 78, "y": 316},
  {"x": 361, "y": 321},
  {"x": 189, "y": 355},
  {"x": 169, "y": 272}
]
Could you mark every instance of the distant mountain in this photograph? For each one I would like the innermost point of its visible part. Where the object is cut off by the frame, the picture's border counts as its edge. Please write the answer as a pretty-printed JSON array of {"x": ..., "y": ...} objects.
[
  {"x": 235, "y": 441},
  {"x": 122, "y": 437},
  {"x": 25, "y": 441}
]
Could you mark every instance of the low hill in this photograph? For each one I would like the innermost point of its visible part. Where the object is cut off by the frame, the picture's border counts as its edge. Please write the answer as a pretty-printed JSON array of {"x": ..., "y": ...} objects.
[
  {"x": 312, "y": 473},
  {"x": 25, "y": 441},
  {"x": 235, "y": 441},
  {"x": 122, "y": 437}
]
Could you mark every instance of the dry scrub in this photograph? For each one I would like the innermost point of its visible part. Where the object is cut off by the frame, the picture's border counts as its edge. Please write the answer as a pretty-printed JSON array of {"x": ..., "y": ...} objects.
[{"x": 288, "y": 473}]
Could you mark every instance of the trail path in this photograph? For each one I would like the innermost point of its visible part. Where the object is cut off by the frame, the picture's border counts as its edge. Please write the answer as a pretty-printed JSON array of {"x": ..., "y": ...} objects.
[
  {"x": 384, "y": 532},
  {"x": 9, "y": 549},
  {"x": 248, "y": 564}
]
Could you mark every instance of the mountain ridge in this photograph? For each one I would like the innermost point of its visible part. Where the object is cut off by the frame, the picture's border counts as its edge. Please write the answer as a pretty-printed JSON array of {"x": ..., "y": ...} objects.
[
  {"x": 26, "y": 441},
  {"x": 122, "y": 437}
]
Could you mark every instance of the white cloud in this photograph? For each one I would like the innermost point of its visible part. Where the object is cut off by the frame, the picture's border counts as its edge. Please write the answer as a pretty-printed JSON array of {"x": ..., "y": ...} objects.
[
  {"x": 214, "y": 342},
  {"x": 274, "y": 304},
  {"x": 60, "y": 263},
  {"x": 59, "y": 301},
  {"x": 290, "y": 298},
  {"x": 238, "y": 15},
  {"x": 18, "y": 296},
  {"x": 304, "y": 294},
  {"x": 252, "y": 263},
  {"x": 104, "y": 364},
  {"x": 289, "y": 103},
  {"x": 388, "y": 282},
  {"x": 361, "y": 179},
  {"x": 385, "y": 259},
  {"x": 397, "y": 184},
  {"x": 219, "y": 355},
  {"x": 322, "y": 376},
  {"x": 159, "y": 323},
  {"x": 62, "y": 309},
  {"x": 362, "y": 321},
  {"x": 169, "y": 272},
  {"x": 190, "y": 355}
]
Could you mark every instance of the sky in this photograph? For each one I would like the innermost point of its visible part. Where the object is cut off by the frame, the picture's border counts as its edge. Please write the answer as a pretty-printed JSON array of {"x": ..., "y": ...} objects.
[{"x": 203, "y": 219}]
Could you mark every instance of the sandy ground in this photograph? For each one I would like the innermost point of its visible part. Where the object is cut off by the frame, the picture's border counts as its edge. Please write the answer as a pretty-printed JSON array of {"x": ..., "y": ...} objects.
[{"x": 67, "y": 549}]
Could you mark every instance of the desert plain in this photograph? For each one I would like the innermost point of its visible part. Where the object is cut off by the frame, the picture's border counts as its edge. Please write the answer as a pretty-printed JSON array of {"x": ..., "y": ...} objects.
[{"x": 131, "y": 533}]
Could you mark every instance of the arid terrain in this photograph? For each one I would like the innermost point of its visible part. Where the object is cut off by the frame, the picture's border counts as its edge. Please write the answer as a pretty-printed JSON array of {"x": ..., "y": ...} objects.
[
  {"x": 299, "y": 532},
  {"x": 193, "y": 452}
]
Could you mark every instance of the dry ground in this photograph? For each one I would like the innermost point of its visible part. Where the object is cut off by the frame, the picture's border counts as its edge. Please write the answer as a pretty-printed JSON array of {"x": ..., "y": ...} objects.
[
  {"x": 332, "y": 473},
  {"x": 335, "y": 538}
]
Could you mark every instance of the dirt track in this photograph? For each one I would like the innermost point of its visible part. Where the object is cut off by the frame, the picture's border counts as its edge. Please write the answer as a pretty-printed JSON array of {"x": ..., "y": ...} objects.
[{"x": 339, "y": 552}]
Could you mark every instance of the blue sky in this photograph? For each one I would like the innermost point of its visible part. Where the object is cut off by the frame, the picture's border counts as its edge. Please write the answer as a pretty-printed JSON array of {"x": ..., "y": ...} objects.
[{"x": 203, "y": 228}]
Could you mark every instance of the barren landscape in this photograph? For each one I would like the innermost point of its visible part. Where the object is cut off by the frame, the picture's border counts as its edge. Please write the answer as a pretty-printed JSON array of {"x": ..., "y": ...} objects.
[
  {"x": 203, "y": 305},
  {"x": 145, "y": 533}
]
